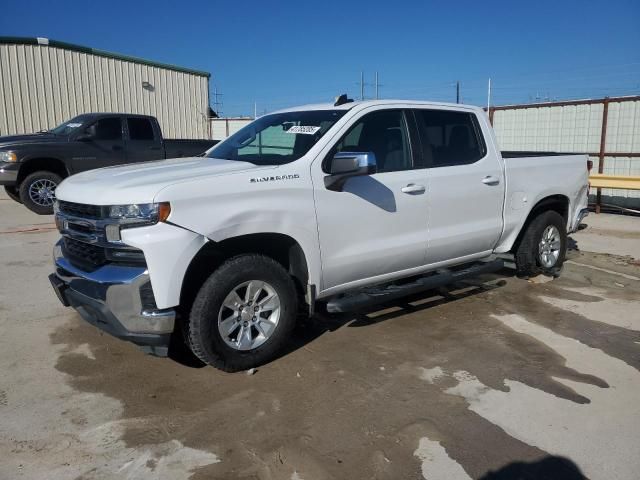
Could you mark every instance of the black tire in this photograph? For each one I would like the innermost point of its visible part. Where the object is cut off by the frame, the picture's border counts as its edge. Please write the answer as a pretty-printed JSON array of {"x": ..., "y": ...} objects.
[
  {"x": 527, "y": 256},
  {"x": 42, "y": 207},
  {"x": 12, "y": 193},
  {"x": 204, "y": 338}
]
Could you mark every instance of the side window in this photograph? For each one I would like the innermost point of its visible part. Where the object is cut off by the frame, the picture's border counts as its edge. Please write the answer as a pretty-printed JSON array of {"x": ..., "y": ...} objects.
[
  {"x": 107, "y": 129},
  {"x": 449, "y": 138},
  {"x": 385, "y": 134},
  {"x": 140, "y": 129}
]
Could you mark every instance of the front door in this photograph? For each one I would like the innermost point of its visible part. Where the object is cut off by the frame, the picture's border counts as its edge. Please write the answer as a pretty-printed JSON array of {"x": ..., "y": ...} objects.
[
  {"x": 378, "y": 224},
  {"x": 102, "y": 145}
]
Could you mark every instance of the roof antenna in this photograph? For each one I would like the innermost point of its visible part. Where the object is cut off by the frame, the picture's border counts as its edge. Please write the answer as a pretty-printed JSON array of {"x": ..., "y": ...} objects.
[{"x": 342, "y": 99}]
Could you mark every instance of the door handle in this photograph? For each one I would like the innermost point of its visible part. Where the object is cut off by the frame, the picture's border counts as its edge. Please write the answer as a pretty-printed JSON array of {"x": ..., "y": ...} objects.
[
  {"x": 412, "y": 188},
  {"x": 116, "y": 147},
  {"x": 490, "y": 180},
  {"x": 153, "y": 147}
]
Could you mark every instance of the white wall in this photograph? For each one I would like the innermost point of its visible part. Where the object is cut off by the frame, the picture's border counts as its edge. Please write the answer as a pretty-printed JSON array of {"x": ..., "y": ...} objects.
[{"x": 221, "y": 128}]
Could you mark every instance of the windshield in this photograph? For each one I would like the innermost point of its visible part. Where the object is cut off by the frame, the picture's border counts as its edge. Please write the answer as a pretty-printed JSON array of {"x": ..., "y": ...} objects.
[
  {"x": 278, "y": 138},
  {"x": 67, "y": 128}
]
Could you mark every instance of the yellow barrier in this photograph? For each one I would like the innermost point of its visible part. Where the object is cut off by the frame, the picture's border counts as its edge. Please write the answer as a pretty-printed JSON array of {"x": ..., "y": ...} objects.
[{"x": 598, "y": 180}]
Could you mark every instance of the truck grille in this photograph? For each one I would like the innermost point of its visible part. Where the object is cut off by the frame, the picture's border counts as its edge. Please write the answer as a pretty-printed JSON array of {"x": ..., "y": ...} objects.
[
  {"x": 83, "y": 255},
  {"x": 81, "y": 209}
]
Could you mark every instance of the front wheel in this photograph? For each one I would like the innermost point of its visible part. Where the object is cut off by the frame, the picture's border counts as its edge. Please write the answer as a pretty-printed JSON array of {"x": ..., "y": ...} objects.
[
  {"x": 243, "y": 314},
  {"x": 543, "y": 246},
  {"x": 37, "y": 191}
]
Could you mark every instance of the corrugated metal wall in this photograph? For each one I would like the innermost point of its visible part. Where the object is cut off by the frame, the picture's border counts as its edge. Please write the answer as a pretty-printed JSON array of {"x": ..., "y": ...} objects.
[
  {"x": 578, "y": 128},
  {"x": 221, "y": 128},
  {"x": 574, "y": 128},
  {"x": 41, "y": 86}
]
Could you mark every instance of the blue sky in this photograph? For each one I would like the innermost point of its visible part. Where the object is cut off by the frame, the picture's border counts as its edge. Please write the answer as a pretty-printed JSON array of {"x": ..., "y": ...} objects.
[{"x": 281, "y": 53}]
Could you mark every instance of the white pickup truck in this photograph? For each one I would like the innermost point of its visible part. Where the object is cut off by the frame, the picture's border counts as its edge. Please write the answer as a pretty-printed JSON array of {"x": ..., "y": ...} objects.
[{"x": 352, "y": 204}]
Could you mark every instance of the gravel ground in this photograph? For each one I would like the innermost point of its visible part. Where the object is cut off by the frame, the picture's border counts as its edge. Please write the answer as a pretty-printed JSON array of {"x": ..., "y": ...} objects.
[{"x": 493, "y": 378}]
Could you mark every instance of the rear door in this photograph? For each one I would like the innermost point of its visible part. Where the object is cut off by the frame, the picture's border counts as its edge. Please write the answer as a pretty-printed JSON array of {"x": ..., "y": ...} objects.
[
  {"x": 377, "y": 225},
  {"x": 466, "y": 185},
  {"x": 102, "y": 145},
  {"x": 144, "y": 141}
]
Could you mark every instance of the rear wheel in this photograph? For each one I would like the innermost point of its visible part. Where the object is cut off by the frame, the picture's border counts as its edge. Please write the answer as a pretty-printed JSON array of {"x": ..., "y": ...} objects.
[
  {"x": 37, "y": 191},
  {"x": 543, "y": 246},
  {"x": 243, "y": 314},
  {"x": 13, "y": 193}
]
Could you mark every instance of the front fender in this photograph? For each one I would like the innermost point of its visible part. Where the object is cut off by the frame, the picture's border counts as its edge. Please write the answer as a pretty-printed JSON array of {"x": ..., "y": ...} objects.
[
  {"x": 307, "y": 241},
  {"x": 168, "y": 251},
  {"x": 231, "y": 206}
]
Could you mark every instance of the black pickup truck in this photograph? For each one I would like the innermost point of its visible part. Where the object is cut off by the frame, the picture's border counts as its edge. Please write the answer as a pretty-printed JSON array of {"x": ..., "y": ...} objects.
[{"x": 32, "y": 166}]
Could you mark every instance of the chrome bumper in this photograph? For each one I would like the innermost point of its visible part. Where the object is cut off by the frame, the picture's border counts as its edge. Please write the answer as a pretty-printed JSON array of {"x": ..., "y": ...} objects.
[
  {"x": 113, "y": 299},
  {"x": 8, "y": 173}
]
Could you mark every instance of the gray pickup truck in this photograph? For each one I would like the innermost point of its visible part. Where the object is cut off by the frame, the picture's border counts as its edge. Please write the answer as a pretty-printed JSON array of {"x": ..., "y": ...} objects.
[{"x": 32, "y": 166}]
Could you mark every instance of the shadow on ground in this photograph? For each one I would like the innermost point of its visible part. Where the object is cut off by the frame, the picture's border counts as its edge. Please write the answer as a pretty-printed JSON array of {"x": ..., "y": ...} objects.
[
  {"x": 549, "y": 468},
  {"x": 310, "y": 329}
]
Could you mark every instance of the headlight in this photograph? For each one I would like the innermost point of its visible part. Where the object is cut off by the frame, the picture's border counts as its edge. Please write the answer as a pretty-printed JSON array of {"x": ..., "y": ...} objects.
[
  {"x": 140, "y": 212},
  {"x": 135, "y": 215},
  {"x": 8, "y": 156}
]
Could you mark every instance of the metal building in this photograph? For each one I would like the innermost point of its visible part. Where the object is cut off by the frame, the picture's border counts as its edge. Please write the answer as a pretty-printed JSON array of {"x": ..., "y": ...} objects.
[
  {"x": 45, "y": 82},
  {"x": 607, "y": 129}
]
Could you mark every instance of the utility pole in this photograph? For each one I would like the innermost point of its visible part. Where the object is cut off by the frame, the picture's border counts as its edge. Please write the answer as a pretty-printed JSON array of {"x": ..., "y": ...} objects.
[
  {"x": 217, "y": 105},
  {"x": 376, "y": 85},
  {"x": 255, "y": 110},
  {"x": 489, "y": 97},
  {"x": 458, "y": 91},
  {"x": 361, "y": 85}
]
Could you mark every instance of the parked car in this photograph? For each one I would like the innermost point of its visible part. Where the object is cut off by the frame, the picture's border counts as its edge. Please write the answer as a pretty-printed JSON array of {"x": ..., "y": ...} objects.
[
  {"x": 351, "y": 204},
  {"x": 32, "y": 166}
]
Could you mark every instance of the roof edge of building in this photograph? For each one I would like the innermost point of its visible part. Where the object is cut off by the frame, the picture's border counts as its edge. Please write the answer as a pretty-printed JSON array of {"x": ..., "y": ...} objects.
[{"x": 94, "y": 51}]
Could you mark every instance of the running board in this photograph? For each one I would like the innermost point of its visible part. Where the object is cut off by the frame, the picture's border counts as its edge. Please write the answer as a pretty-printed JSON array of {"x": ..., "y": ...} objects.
[{"x": 382, "y": 294}]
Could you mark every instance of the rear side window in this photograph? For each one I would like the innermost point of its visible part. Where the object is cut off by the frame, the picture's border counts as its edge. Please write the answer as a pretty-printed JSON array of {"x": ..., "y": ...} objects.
[
  {"x": 449, "y": 138},
  {"x": 140, "y": 129},
  {"x": 108, "y": 129}
]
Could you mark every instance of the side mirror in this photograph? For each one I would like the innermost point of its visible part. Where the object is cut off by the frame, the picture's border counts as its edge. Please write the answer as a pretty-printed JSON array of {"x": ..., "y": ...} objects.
[{"x": 345, "y": 165}]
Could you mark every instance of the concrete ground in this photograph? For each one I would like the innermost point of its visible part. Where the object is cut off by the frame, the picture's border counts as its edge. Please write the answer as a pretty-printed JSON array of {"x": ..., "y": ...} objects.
[{"x": 497, "y": 378}]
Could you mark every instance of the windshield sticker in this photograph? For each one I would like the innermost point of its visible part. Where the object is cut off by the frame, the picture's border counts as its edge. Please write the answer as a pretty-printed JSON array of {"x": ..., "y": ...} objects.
[
  {"x": 73, "y": 125},
  {"x": 305, "y": 130}
]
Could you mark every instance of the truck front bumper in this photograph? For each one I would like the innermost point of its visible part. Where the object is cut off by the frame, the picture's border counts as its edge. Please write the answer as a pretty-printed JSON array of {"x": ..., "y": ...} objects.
[
  {"x": 8, "y": 173},
  {"x": 116, "y": 299}
]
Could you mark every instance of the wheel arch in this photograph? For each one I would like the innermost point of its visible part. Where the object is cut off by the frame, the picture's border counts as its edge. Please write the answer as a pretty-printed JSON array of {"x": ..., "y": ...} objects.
[
  {"x": 280, "y": 247},
  {"x": 558, "y": 203},
  {"x": 49, "y": 164}
]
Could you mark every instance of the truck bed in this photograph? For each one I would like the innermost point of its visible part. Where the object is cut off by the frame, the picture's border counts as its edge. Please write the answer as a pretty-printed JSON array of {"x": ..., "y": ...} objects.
[{"x": 537, "y": 175}]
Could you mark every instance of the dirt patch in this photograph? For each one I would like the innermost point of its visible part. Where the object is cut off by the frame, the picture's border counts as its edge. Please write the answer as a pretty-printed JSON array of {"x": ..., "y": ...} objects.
[{"x": 348, "y": 401}]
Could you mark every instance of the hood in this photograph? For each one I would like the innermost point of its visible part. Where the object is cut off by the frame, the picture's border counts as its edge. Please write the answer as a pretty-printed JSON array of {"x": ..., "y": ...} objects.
[
  {"x": 140, "y": 182},
  {"x": 10, "y": 140}
]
